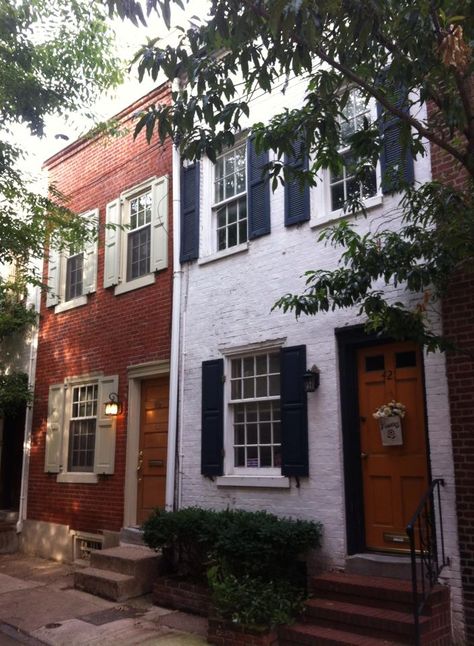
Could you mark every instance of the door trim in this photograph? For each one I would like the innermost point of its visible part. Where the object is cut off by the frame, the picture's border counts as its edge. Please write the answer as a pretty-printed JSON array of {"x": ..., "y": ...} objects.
[
  {"x": 135, "y": 376},
  {"x": 349, "y": 340}
]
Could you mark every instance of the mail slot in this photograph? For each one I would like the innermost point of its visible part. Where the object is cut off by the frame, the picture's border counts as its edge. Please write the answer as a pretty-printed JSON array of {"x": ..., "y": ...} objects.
[{"x": 156, "y": 463}]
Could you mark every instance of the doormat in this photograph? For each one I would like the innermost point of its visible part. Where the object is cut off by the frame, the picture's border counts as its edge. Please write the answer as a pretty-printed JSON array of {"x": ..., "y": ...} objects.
[{"x": 112, "y": 614}]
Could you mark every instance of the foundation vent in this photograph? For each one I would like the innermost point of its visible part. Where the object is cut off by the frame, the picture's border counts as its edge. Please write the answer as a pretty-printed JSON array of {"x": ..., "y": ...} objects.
[{"x": 84, "y": 543}]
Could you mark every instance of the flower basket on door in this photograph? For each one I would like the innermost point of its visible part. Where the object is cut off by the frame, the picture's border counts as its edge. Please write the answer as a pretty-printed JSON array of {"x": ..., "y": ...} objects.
[{"x": 389, "y": 417}]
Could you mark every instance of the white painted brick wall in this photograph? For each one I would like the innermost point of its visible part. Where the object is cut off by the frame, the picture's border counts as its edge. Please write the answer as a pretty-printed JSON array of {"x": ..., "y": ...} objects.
[{"x": 228, "y": 302}]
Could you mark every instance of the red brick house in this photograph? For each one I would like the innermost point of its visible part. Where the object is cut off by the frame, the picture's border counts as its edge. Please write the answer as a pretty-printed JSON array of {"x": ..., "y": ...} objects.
[{"x": 104, "y": 335}]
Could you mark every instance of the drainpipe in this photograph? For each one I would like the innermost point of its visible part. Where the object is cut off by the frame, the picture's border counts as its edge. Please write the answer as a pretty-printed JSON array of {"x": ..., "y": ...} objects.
[
  {"x": 175, "y": 337},
  {"x": 25, "y": 468}
]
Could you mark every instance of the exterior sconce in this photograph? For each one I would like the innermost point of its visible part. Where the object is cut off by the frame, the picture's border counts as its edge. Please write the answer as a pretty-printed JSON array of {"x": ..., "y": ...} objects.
[
  {"x": 113, "y": 406},
  {"x": 311, "y": 379}
]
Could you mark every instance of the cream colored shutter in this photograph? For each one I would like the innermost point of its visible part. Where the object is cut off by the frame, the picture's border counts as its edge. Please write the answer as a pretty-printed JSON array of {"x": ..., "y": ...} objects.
[
  {"x": 54, "y": 263},
  {"x": 159, "y": 225},
  {"x": 89, "y": 281},
  {"x": 112, "y": 244},
  {"x": 104, "y": 460},
  {"x": 54, "y": 429}
]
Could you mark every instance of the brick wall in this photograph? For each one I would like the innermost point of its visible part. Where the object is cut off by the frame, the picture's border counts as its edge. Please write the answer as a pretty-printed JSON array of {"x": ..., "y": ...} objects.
[
  {"x": 108, "y": 334},
  {"x": 458, "y": 325}
]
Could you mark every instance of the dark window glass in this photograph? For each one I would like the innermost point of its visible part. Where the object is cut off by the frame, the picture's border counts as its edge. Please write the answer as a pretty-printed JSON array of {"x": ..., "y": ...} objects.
[
  {"x": 74, "y": 272},
  {"x": 138, "y": 253},
  {"x": 405, "y": 359},
  {"x": 81, "y": 445},
  {"x": 376, "y": 362}
]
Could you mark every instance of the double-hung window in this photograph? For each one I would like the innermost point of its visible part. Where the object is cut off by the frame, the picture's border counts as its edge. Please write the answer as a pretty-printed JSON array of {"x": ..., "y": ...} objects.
[
  {"x": 82, "y": 428},
  {"x": 72, "y": 273},
  {"x": 344, "y": 185},
  {"x": 255, "y": 411},
  {"x": 230, "y": 198},
  {"x": 80, "y": 438},
  {"x": 136, "y": 236}
]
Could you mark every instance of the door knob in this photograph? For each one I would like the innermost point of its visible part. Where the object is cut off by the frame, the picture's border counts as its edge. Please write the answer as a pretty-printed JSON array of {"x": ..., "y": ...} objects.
[{"x": 364, "y": 456}]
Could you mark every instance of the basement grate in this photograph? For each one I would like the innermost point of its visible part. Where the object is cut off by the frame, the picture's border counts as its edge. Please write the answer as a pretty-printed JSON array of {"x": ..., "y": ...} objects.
[{"x": 84, "y": 544}]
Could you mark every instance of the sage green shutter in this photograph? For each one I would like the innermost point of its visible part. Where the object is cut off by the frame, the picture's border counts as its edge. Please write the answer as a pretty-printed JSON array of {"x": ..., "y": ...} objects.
[
  {"x": 54, "y": 429},
  {"x": 89, "y": 280},
  {"x": 54, "y": 263},
  {"x": 104, "y": 458},
  {"x": 159, "y": 225},
  {"x": 112, "y": 244}
]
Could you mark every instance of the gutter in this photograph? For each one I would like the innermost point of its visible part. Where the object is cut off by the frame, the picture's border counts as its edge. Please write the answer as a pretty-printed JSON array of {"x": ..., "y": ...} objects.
[
  {"x": 173, "y": 447},
  {"x": 25, "y": 467}
]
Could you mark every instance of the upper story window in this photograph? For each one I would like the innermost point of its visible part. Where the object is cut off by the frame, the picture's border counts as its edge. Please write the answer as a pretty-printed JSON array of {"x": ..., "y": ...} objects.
[
  {"x": 344, "y": 185},
  {"x": 139, "y": 236},
  {"x": 230, "y": 198},
  {"x": 136, "y": 242},
  {"x": 72, "y": 274},
  {"x": 255, "y": 409}
]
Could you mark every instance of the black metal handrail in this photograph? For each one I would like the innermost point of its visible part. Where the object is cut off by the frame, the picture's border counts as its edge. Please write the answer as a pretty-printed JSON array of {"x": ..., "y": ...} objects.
[{"x": 428, "y": 556}]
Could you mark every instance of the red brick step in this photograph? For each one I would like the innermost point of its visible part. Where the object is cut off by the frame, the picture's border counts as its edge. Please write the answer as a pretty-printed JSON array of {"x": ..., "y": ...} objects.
[{"x": 311, "y": 635}]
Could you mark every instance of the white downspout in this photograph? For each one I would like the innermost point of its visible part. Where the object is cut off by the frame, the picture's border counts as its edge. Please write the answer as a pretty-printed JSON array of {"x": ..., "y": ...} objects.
[
  {"x": 175, "y": 336},
  {"x": 25, "y": 468}
]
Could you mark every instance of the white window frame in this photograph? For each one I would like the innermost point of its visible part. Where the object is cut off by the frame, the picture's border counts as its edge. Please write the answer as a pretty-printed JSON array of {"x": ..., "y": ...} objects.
[
  {"x": 229, "y": 462},
  {"x": 75, "y": 476},
  {"x": 61, "y": 259},
  {"x": 159, "y": 191},
  {"x": 321, "y": 210}
]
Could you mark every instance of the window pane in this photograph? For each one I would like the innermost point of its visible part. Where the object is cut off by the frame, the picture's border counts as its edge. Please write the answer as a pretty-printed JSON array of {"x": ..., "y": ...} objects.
[
  {"x": 337, "y": 196},
  {"x": 239, "y": 435},
  {"x": 265, "y": 412},
  {"x": 252, "y": 456},
  {"x": 229, "y": 165},
  {"x": 232, "y": 235},
  {"x": 249, "y": 366},
  {"x": 232, "y": 213},
  {"x": 138, "y": 253},
  {"x": 236, "y": 368},
  {"x": 261, "y": 362},
  {"x": 265, "y": 456},
  {"x": 249, "y": 390},
  {"x": 240, "y": 457},
  {"x": 242, "y": 231},
  {"x": 236, "y": 390},
  {"x": 274, "y": 362},
  {"x": 239, "y": 413},
  {"x": 240, "y": 179},
  {"x": 274, "y": 381},
  {"x": 221, "y": 239},
  {"x": 74, "y": 274},
  {"x": 261, "y": 387},
  {"x": 265, "y": 433},
  {"x": 220, "y": 191},
  {"x": 276, "y": 433},
  {"x": 251, "y": 410},
  {"x": 252, "y": 434}
]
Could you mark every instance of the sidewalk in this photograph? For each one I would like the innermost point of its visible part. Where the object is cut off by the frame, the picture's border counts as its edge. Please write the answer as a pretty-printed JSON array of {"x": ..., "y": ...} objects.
[{"x": 39, "y": 605}]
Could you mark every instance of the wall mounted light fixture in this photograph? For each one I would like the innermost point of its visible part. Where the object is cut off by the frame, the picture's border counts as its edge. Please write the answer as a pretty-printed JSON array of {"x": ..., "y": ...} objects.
[
  {"x": 113, "y": 406},
  {"x": 311, "y": 379}
]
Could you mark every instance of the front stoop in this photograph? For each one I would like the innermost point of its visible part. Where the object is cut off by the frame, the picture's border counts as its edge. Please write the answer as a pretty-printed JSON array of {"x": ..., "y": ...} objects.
[
  {"x": 359, "y": 610},
  {"x": 119, "y": 573}
]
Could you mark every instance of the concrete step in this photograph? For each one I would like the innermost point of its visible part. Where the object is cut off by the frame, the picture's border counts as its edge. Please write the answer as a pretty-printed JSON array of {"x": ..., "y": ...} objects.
[
  {"x": 8, "y": 538},
  {"x": 300, "y": 634},
  {"x": 369, "y": 620},
  {"x": 392, "y": 566},
  {"x": 139, "y": 562},
  {"x": 106, "y": 584},
  {"x": 131, "y": 536},
  {"x": 8, "y": 516}
]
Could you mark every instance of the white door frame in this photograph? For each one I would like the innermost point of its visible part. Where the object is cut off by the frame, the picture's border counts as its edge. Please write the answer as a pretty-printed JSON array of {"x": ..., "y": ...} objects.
[{"x": 136, "y": 374}]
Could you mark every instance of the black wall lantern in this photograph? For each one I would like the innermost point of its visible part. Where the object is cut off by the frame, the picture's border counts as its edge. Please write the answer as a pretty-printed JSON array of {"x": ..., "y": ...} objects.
[
  {"x": 113, "y": 406},
  {"x": 311, "y": 379}
]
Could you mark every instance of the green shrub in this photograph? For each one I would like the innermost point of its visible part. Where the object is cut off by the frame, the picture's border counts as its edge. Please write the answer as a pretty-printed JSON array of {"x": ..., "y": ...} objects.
[
  {"x": 254, "y": 602},
  {"x": 186, "y": 538}
]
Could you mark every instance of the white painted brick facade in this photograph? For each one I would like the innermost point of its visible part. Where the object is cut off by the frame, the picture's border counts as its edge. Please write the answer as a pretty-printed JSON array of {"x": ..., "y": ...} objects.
[{"x": 228, "y": 302}]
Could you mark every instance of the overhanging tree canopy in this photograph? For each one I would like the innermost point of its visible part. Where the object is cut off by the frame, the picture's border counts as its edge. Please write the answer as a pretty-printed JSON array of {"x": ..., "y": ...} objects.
[{"x": 404, "y": 54}]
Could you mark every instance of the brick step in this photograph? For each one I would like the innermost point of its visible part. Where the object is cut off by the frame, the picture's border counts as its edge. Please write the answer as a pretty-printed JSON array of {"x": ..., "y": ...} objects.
[
  {"x": 368, "y": 620},
  {"x": 140, "y": 562},
  {"x": 366, "y": 590},
  {"x": 301, "y": 634},
  {"x": 107, "y": 584}
]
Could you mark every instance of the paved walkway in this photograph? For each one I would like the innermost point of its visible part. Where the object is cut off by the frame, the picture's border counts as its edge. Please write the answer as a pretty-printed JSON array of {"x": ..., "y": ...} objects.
[{"x": 39, "y": 605}]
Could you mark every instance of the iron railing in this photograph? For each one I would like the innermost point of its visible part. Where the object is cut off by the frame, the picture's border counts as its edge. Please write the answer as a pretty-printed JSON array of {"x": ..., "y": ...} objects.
[{"x": 428, "y": 556}]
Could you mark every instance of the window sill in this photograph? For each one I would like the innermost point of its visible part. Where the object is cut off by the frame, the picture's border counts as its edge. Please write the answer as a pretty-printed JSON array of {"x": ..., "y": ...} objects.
[
  {"x": 78, "y": 478},
  {"x": 270, "y": 482},
  {"x": 69, "y": 305},
  {"x": 328, "y": 218},
  {"x": 224, "y": 253},
  {"x": 130, "y": 285}
]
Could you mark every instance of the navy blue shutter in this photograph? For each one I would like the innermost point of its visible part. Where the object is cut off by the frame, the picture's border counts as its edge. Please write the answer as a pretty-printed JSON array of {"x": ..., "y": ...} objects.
[
  {"x": 212, "y": 438},
  {"x": 258, "y": 192},
  {"x": 189, "y": 213},
  {"x": 396, "y": 164},
  {"x": 296, "y": 197},
  {"x": 294, "y": 413}
]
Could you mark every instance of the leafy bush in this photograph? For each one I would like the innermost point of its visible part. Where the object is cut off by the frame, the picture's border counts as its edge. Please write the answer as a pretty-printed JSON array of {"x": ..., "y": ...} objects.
[
  {"x": 252, "y": 559},
  {"x": 253, "y": 601}
]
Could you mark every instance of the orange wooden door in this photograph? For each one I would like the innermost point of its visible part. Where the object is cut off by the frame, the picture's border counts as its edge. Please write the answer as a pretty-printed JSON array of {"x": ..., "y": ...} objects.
[
  {"x": 151, "y": 471},
  {"x": 394, "y": 477}
]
